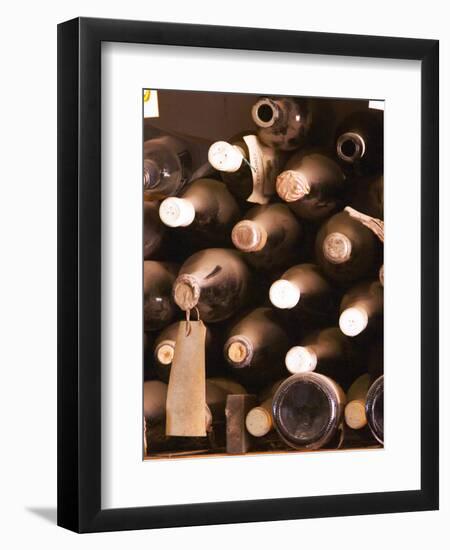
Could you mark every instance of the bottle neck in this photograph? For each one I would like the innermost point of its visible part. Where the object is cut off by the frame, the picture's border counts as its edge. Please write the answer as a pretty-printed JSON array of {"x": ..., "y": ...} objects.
[
  {"x": 337, "y": 248},
  {"x": 355, "y": 414},
  {"x": 152, "y": 174},
  {"x": 267, "y": 113},
  {"x": 292, "y": 185},
  {"x": 177, "y": 212},
  {"x": 259, "y": 420},
  {"x": 226, "y": 157},
  {"x": 301, "y": 359},
  {"x": 350, "y": 147},
  {"x": 239, "y": 351},
  {"x": 186, "y": 292},
  {"x": 249, "y": 236},
  {"x": 164, "y": 352},
  {"x": 284, "y": 294},
  {"x": 354, "y": 320}
]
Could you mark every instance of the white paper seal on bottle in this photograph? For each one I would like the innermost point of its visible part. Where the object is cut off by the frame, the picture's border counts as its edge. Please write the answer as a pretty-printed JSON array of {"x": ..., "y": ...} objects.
[
  {"x": 353, "y": 321},
  {"x": 225, "y": 157},
  {"x": 264, "y": 163},
  {"x": 176, "y": 212},
  {"x": 283, "y": 294},
  {"x": 300, "y": 359}
]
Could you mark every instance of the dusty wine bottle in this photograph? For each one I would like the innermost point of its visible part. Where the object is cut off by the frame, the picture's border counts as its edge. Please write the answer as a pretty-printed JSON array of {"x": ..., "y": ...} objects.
[
  {"x": 216, "y": 281},
  {"x": 268, "y": 235},
  {"x": 361, "y": 308},
  {"x": 159, "y": 309},
  {"x": 346, "y": 250},
  {"x": 247, "y": 166},
  {"x": 359, "y": 141},
  {"x": 282, "y": 122},
  {"x": 304, "y": 289},
  {"x": 375, "y": 409},
  {"x": 355, "y": 410},
  {"x": 170, "y": 162},
  {"x": 206, "y": 207},
  {"x": 326, "y": 351},
  {"x": 308, "y": 410},
  {"x": 255, "y": 347},
  {"x": 154, "y": 230},
  {"x": 312, "y": 184}
]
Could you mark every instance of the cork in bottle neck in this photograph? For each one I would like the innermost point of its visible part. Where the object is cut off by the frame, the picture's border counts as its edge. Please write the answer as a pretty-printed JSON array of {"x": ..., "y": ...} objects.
[
  {"x": 337, "y": 248},
  {"x": 249, "y": 236},
  {"x": 238, "y": 351},
  {"x": 355, "y": 414},
  {"x": 164, "y": 352}
]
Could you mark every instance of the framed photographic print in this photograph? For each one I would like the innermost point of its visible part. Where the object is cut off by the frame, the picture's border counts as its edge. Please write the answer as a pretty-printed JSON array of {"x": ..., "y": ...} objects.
[{"x": 238, "y": 341}]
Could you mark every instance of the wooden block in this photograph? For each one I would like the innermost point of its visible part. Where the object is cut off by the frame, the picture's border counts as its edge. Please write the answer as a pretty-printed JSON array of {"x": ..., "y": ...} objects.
[{"x": 237, "y": 408}]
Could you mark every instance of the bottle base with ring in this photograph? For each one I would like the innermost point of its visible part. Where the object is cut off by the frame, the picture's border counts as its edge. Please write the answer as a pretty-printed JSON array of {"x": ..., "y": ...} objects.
[{"x": 307, "y": 410}]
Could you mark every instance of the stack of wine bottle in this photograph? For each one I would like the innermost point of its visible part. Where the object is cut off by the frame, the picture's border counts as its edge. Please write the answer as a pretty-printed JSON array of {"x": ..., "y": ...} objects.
[{"x": 274, "y": 238}]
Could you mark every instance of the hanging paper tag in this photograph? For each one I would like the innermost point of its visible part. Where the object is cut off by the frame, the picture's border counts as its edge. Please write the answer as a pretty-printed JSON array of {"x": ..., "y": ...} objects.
[
  {"x": 186, "y": 400},
  {"x": 374, "y": 224},
  {"x": 264, "y": 164}
]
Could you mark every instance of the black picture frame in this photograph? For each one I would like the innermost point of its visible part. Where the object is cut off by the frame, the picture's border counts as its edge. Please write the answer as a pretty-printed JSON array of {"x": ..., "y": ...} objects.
[{"x": 79, "y": 274}]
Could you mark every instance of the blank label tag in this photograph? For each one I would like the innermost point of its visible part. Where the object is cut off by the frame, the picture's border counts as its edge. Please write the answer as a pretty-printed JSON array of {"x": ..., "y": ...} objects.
[
  {"x": 265, "y": 168},
  {"x": 186, "y": 400}
]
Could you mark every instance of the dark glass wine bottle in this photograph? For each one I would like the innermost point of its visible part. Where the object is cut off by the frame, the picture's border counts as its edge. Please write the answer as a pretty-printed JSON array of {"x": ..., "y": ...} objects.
[
  {"x": 268, "y": 235},
  {"x": 361, "y": 308},
  {"x": 283, "y": 122},
  {"x": 154, "y": 230},
  {"x": 206, "y": 207},
  {"x": 308, "y": 410},
  {"x": 256, "y": 346},
  {"x": 216, "y": 281},
  {"x": 159, "y": 309},
  {"x": 312, "y": 184},
  {"x": 305, "y": 290},
  {"x": 359, "y": 142},
  {"x": 346, "y": 250},
  {"x": 375, "y": 409},
  {"x": 170, "y": 162}
]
